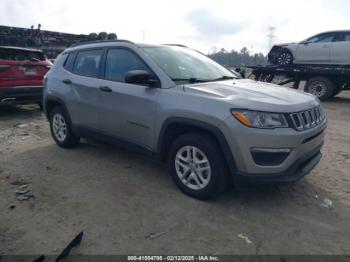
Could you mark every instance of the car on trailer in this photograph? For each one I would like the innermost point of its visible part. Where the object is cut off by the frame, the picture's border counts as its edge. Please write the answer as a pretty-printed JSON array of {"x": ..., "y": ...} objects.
[
  {"x": 21, "y": 75},
  {"x": 329, "y": 48}
]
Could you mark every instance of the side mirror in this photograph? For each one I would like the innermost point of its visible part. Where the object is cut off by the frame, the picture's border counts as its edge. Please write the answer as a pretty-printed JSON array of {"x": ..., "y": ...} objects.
[{"x": 140, "y": 77}]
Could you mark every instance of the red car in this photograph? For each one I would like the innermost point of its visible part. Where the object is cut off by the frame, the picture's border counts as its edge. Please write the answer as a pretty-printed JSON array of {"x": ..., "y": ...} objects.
[{"x": 21, "y": 75}]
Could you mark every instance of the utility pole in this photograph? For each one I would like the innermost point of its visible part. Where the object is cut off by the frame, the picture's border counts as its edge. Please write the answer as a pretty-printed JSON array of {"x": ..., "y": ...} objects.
[
  {"x": 143, "y": 36},
  {"x": 271, "y": 36}
]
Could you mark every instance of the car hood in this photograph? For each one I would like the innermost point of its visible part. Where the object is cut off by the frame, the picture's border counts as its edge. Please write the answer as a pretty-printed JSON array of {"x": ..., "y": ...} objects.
[{"x": 249, "y": 94}]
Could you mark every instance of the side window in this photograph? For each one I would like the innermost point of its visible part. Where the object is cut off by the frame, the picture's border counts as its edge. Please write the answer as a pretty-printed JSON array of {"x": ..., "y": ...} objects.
[
  {"x": 68, "y": 64},
  {"x": 88, "y": 63},
  {"x": 323, "y": 38},
  {"x": 339, "y": 37},
  {"x": 120, "y": 61},
  {"x": 347, "y": 37},
  {"x": 326, "y": 38}
]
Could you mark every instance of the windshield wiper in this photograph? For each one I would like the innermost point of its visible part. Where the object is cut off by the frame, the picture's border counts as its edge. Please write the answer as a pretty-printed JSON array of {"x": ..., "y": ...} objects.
[
  {"x": 191, "y": 80},
  {"x": 198, "y": 80},
  {"x": 224, "y": 78}
]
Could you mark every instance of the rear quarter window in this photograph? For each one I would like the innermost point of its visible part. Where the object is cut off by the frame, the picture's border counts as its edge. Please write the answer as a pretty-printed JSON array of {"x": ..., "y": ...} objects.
[
  {"x": 87, "y": 63},
  {"x": 69, "y": 63}
]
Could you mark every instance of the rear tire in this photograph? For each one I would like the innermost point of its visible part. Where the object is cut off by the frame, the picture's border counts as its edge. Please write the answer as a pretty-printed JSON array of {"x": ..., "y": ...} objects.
[
  {"x": 321, "y": 87},
  {"x": 61, "y": 128},
  {"x": 197, "y": 166}
]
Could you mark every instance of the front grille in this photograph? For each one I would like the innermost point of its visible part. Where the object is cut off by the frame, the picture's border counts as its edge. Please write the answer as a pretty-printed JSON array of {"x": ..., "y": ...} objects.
[{"x": 307, "y": 119}]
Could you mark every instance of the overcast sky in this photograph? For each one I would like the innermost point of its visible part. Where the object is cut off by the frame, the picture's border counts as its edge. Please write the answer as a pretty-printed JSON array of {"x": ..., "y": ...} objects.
[{"x": 201, "y": 24}]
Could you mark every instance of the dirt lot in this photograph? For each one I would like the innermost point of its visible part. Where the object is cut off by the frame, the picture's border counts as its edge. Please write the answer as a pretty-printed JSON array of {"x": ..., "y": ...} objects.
[{"x": 127, "y": 204}]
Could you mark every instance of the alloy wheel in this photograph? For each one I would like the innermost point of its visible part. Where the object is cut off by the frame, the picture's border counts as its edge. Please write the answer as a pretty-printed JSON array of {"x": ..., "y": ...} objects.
[
  {"x": 59, "y": 127},
  {"x": 192, "y": 167},
  {"x": 285, "y": 58}
]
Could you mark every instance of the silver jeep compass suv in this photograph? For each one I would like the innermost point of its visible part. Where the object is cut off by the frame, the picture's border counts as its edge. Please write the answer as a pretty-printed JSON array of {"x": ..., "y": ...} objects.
[{"x": 208, "y": 124}]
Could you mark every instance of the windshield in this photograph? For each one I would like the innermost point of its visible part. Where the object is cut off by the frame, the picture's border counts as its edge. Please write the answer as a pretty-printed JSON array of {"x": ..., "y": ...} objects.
[{"x": 185, "y": 64}]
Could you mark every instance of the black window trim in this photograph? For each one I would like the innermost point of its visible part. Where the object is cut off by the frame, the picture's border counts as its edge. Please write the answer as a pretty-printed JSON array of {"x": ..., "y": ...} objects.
[
  {"x": 100, "y": 65},
  {"x": 104, "y": 61}
]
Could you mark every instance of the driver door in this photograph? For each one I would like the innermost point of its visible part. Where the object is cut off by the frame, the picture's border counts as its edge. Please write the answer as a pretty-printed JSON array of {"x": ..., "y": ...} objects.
[
  {"x": 316, "y": 50},
  {"x": 126, "y": 111}
]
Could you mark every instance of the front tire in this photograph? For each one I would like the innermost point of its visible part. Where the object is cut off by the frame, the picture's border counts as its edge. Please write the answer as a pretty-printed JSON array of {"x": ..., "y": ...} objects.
[
  {"x": 284, "y": 58},
  {"x": 61, "y": 129},
  {"x": 197, "y": 166}
]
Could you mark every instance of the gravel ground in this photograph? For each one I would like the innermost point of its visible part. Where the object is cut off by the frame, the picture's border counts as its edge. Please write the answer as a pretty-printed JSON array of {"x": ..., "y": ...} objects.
[{"x": 127, "y": 204}]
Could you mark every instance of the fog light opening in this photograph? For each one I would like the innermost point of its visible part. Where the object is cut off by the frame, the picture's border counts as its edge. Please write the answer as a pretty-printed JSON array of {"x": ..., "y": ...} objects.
[{"x": 270, "y": 156}]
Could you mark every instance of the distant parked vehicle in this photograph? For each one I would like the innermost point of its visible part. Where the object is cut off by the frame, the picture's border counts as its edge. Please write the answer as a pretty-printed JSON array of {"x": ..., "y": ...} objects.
[
  {"x": 21, "y": 75},
  {"x": 326, "y": 48}
]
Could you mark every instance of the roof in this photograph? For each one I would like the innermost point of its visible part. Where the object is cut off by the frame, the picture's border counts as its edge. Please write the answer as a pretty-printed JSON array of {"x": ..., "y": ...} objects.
[
  {"x": 146, "y": 45},
  {"x": 336, "y": 31},
  {"x": 102, "y": 43},
  {"x": 21, "y": 48},
  {"x": 155, "y": 45}
]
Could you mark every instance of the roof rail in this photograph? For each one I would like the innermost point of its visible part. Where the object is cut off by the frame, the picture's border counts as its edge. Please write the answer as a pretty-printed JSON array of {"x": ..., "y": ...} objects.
[
  {"x": 176, "y": 45},
  {"x": 100, "y": 41}
]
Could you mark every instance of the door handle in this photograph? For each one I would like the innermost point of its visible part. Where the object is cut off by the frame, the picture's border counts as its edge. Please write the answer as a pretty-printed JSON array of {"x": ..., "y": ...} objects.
[
  {"x": 67, "y": 81},
  {"x": 105, "y": 89}
]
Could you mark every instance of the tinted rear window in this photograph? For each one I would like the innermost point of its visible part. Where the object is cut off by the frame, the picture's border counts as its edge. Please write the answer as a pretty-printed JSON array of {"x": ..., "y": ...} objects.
[
  {"x": 21, "y": 55},
  {"x": 88, "y": 62},
  {"x": 69, "y": 63}
]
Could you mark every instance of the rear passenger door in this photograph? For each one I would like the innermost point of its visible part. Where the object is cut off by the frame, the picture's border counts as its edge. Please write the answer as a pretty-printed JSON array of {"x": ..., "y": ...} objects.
[
  {"x": 340, "y": 51},
  {"x": 127, "y": 111},
  {"x": 84, "y": 83}
]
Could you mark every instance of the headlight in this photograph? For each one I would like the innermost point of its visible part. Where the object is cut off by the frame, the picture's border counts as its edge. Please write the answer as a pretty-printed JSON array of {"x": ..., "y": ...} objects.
[{"x": 256, "y": 119}]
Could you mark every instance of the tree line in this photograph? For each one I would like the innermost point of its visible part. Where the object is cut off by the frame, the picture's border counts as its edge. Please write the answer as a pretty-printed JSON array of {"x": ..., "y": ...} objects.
[{"x": 235, "y": 59}]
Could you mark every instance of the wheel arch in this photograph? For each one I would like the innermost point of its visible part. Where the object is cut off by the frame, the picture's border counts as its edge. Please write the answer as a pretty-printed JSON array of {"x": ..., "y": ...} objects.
[
  {"x": 175, "y": 126},
  {"x": 51, "y": 102}
]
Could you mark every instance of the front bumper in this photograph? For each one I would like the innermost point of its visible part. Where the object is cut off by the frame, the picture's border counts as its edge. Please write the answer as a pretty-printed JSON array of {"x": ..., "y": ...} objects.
[
  {"x": 304, "y": 152},
  {"x": 21, "y": 94},
  {"x": 298, "y": 170}
]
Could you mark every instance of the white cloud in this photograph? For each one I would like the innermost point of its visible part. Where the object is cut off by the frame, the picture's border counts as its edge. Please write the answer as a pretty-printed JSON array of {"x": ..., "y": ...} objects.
[
  {"x": 197, "y": 23},
  {"x": 207, "y": 24}
]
